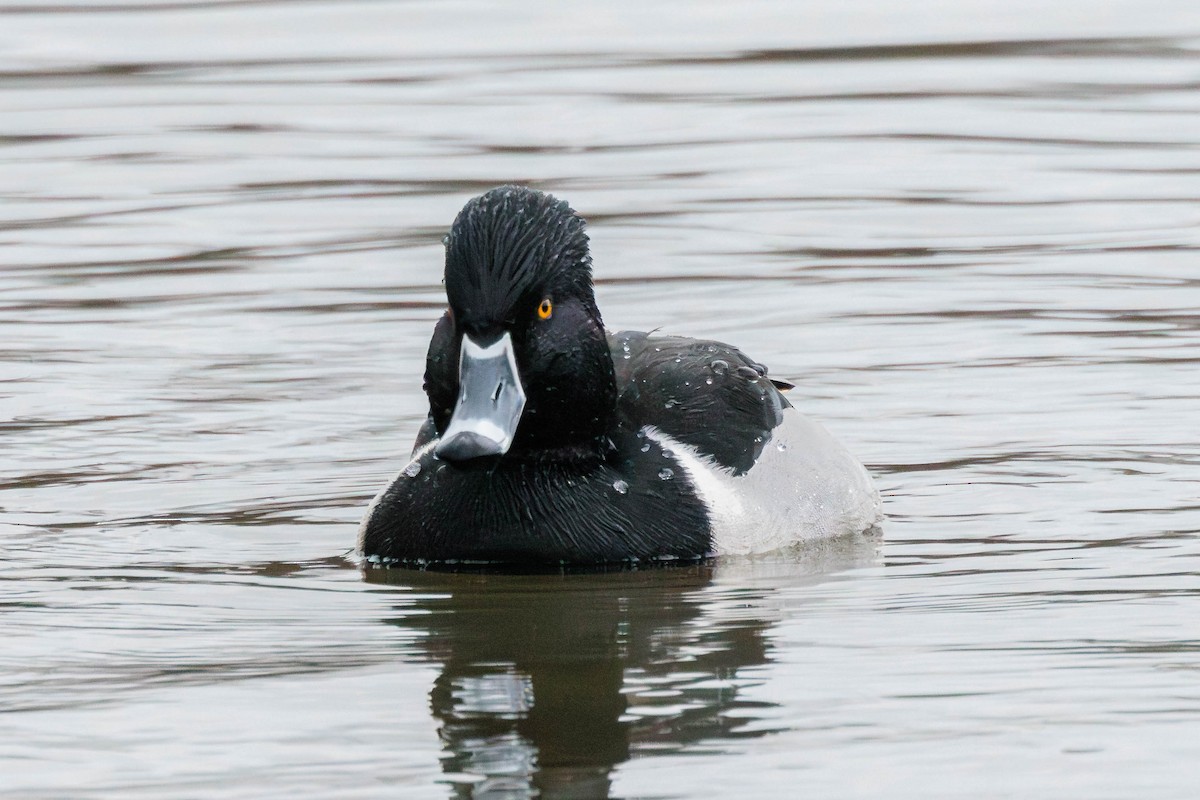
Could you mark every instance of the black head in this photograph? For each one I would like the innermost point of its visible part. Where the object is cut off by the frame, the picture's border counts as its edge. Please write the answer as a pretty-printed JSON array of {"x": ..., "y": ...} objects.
[
  {"x": 507, "y": 250},
  {"x": 519, "y": 282}
]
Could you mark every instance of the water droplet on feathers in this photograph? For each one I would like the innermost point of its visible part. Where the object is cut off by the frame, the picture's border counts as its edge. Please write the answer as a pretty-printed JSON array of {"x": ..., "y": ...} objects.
[
  {"x": 412, "y": 470},
  {"x": 666, "y": 473}
]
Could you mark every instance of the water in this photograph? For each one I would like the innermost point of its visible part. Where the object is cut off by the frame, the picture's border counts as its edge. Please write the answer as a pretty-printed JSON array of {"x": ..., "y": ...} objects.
[{"x": 967, "y": 232}]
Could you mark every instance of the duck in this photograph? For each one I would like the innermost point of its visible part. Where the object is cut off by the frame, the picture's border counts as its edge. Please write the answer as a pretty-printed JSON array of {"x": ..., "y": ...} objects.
[{"x": 552, "y": 441}]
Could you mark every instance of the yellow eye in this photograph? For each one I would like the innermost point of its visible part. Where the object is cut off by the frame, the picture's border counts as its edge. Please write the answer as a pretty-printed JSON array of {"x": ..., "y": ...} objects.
[{"x": 545, "y": 309}]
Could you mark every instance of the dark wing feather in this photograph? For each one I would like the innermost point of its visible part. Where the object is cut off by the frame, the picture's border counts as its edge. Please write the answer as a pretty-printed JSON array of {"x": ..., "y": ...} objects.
[{"x": 705, "y": 394}]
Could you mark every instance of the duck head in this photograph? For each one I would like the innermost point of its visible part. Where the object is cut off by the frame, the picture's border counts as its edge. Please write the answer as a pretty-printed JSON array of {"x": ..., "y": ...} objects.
[{"x": 519, "y": 363}]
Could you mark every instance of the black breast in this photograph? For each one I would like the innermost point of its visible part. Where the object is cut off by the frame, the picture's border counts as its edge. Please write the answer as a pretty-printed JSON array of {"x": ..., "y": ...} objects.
[{"x": 634, "y": 504}]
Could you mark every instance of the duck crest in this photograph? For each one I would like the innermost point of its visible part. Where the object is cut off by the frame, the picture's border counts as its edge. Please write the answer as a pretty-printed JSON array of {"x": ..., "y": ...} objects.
[{"x": 509, "y": 245}]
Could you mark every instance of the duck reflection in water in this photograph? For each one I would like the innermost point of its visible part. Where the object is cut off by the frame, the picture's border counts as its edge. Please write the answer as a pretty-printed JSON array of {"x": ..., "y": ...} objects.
[{"x": 548, "y": 682}]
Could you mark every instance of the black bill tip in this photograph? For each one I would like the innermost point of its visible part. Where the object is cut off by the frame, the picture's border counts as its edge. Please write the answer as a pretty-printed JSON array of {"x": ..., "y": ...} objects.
[{"x": 466, "y": 445}]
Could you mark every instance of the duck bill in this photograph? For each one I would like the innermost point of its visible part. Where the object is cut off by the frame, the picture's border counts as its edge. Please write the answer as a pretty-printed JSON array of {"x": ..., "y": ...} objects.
[{"x": 490, "y": 402}]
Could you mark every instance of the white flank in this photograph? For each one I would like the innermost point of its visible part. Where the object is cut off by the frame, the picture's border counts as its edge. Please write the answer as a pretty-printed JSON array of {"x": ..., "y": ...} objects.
[{"x": 804, "y": 485}]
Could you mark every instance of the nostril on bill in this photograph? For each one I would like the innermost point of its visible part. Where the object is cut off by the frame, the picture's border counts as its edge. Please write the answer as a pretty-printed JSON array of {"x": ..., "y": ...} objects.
[{"x": 496, "y": 394}]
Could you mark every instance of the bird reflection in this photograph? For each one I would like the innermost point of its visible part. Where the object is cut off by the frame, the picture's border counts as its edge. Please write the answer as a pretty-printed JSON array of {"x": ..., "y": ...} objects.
[{"x": 548, "y": 682}]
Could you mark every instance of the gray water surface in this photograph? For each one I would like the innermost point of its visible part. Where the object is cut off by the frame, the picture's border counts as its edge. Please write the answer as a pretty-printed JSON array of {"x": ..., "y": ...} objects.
[{"x": 966, "y": 230}]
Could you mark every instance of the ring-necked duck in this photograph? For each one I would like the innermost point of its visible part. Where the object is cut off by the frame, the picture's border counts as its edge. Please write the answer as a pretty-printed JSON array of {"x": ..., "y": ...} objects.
[{"x": 550, "y": 440}]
